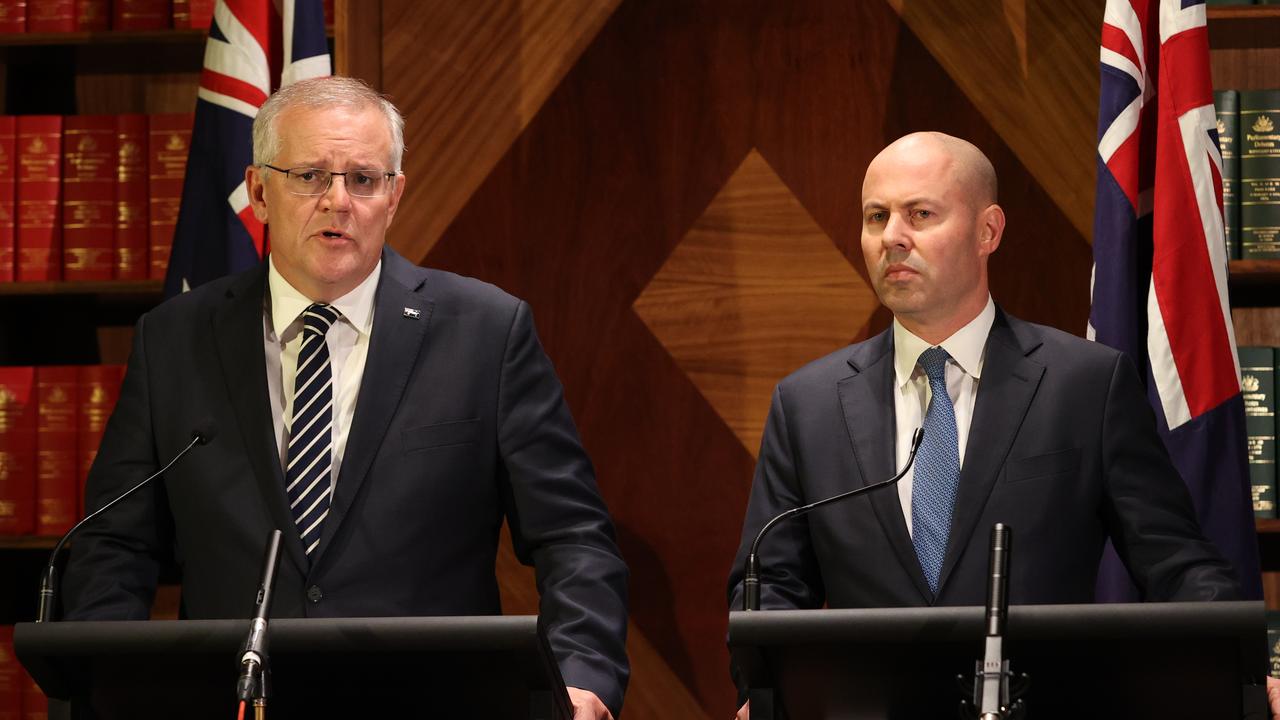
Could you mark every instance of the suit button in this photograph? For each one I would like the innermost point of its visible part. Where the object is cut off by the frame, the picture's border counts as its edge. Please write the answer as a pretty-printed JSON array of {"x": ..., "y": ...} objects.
[{"x": 314, "y": 594}]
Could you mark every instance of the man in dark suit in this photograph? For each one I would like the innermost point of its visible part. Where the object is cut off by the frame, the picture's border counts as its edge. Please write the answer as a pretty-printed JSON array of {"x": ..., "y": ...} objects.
[
  {"x": 1024, "y": 424},
  {"x": 384, "y": 416}
]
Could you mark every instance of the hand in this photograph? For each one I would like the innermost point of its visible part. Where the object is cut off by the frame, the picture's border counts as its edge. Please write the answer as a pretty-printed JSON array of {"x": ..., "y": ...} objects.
[
  {"x": 586, "y": 706},
  {"x": 744, "y": 712},
  {"x": 1273, "y": 695}
]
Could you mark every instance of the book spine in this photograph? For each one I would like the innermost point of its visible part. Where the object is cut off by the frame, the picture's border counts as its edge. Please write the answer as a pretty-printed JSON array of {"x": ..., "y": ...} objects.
[
  {"x": 1258, "y": 383},
  {"x": 10, "y": 677},
  {"x": 141, "y": 15},
  {"x": 93, "y": 15},
  {"x": 88, "y": 197},
  {"x": 169, "y": 143},
  {"x": 99, "y": 390},
  {"x": 132, "y": 229},
  {"x": 202, "y": 13},
  {"x": 1260, "y": 174},
  {"x": 58, "y": 405},
  {"x": 39, "y": 192},
  {"x": 8, "y": 188},
  {"x": 13, "y": 16},
  {"x": 51, "y": 16},
  {"x": 1227, "y": 104},
  {"x": 17, "y": 450},
  {"x": 182, "y": 14}
]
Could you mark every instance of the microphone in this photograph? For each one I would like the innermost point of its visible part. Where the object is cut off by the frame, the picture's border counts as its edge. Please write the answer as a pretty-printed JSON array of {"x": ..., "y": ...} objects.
[
  {"x": 205, "y": 431},
  {"x": 991, "y": 683},
  {"x": 751, "y": 575},
  {"x": 252, "y": 685}
]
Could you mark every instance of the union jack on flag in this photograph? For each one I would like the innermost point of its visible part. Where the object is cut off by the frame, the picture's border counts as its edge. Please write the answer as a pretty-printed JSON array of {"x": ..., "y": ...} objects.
[
  {"x": 254, "y": 47},
  {"x": 1160, "y": 264}
]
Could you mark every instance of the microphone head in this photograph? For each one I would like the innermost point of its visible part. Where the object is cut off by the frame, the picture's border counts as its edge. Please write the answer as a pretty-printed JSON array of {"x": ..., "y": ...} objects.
[
  {"x": 916, "y": 439},
  {"x": 205, "y": 431}
]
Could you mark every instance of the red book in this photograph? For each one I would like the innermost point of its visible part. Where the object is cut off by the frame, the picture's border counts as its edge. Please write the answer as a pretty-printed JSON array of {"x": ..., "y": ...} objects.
[
  {"x": 39, "y": 234},
  {"x": 8, "y": 152},
  {"x": 10, "y": 677},
  {"x": 88, "y": 197},
  {"x": 51, "y": 16},
  {"x": 57, "y": 405},
  {"x": 93, "y": 15},
  {"x": 35, "y": 706},
  {"x": 132, "y": 197},
  {"x": 13, "y": 16},
  {"x": 17, "y": 450},
  {"x": 193, "y": 14},
  {"x": 169, "y": 142},
  {"x": 99, "y": 390},
  {"x": 141, "y": 15}
]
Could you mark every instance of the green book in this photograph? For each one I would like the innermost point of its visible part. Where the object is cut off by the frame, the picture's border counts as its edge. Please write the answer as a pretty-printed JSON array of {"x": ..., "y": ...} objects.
[
  {"x": 1258, "y": 381},
  {"x": 1259, "y": 174},
  {"x": 1273, "y": 641},
  {"x": 1227, "y": 104}
]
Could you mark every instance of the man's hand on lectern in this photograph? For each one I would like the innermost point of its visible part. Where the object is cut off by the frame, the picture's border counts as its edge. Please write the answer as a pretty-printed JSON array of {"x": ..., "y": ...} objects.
[
  {"x": 1273, "y": 695},
  {"x": 586, "y": 706}
]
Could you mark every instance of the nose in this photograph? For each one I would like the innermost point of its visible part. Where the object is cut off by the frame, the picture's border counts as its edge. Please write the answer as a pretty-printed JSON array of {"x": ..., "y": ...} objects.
[
  {"x": 336, "y": 198},
  {"x": 897, "y": 232}
]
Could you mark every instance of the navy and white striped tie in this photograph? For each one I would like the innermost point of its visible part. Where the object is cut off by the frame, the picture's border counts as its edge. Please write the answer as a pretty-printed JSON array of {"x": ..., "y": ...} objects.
[
  {"x": 937, "y": 473},
  {"x": 310, "y": 432}
]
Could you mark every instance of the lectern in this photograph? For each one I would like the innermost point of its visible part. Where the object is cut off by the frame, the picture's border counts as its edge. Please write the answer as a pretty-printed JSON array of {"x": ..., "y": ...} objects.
[
  {"x": 455, "y": 667},
  {"x": 1153, "y": 660}
]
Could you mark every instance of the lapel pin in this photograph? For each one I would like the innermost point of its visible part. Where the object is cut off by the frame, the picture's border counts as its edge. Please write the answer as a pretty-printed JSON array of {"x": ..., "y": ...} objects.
[{"x": 412, "y": 313}]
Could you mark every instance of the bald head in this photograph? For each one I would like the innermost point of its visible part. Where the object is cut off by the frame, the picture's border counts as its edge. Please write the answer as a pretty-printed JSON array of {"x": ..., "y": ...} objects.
[{"x": 968, "y": 167}]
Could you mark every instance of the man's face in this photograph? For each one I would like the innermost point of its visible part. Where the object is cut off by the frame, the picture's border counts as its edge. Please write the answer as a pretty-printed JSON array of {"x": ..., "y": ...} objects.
[
  {"x": 924, "y": 241},
  {"x": 326, "y": 245}
]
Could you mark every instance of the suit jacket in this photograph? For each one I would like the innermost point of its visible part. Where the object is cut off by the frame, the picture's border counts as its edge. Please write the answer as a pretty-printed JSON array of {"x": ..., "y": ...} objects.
[
  {"x": 460, "y": 421},
  {"x": 1062, "y": 448}
]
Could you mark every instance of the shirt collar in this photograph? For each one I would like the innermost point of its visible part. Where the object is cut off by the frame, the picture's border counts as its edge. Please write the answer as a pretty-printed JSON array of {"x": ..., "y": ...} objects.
[
  {"x": 965, "y": 346},
  {"x": 287, "y": 303}
]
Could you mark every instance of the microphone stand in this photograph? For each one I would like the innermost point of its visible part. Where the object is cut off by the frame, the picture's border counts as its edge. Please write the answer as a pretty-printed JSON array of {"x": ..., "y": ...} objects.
[
  {"x": 255, "y": 672},
  {"x": 996, "y": 692},
  {"x": 751, "y": 574}
]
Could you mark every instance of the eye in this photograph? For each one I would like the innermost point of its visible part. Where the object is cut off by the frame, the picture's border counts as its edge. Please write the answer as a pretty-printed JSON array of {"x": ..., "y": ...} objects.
[
  {"x": 306, "y": 175},
  {"x": 364, "y": 178},
  {"x": 876, "y": 216},
  {"x": 924, "y": 214}
]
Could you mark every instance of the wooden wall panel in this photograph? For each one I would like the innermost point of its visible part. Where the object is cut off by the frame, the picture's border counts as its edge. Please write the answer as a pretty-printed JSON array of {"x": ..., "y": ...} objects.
[{"x": 605, "y": 179}]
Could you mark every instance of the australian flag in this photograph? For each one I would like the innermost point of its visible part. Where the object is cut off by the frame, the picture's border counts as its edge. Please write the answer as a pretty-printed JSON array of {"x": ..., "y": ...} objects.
[
  {"x": 254, "y": 47},
  {"x": 1160, "y": 264}
]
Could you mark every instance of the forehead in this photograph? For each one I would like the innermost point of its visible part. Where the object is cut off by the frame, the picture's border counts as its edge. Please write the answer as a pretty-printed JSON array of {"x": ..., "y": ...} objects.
[
  {"x": 333, "y": 133},
  {"x": 905, "y": 174}
]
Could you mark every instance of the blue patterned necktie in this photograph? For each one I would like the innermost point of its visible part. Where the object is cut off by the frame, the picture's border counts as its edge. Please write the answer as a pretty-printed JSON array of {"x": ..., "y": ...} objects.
[
  {"x": 937, "y": 472},
  {"x": 310, "y": 457}
]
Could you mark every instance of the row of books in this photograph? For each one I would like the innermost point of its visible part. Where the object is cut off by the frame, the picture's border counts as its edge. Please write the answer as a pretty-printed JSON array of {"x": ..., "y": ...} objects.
[
  {"x": 1249, "y": 136},
  {"x": 51, "y": 422},
  {"x": 54, "y": 16},
  {"x": 90, "y": 197},
  {"x": 1258, "y": 382},
  {"x": 20, "y": 697}
]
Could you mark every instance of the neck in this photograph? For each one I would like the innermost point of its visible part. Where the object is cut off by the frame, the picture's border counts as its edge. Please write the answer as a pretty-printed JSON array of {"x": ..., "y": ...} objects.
[{"x": 935, "y": 330}]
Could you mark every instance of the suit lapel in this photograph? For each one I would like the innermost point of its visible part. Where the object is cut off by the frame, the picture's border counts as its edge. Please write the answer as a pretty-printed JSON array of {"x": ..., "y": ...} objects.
[
  {"x": 393, "y": 352},
  {"x": 1008, "y": 384},
  {"x": 872, "y": 435},
  {"x": 237, "y": 329}
]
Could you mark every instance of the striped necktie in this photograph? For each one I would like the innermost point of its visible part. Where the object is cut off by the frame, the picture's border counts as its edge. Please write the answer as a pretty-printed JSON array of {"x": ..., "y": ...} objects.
[
  {"x": 937, "y": 473},
  {"x": 307, "y": 475}
]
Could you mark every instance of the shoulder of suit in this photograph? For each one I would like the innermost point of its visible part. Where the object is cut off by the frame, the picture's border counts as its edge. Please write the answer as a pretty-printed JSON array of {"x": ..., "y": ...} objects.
[
  {"x": 836, "y": 365},
  {"x": 1050, "y": 345},
  {"x": 198, "y": 299},
  {"x": 447, "y": 286}
]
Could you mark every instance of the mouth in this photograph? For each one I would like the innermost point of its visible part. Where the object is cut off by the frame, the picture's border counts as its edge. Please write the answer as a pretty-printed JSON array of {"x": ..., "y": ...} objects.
[
  {"x": 332, "y": 234},
  {"x": 899, "y": 271}
]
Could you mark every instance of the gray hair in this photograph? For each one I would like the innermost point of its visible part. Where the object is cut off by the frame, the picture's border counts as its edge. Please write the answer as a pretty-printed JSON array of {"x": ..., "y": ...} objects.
[{"x": 318, "y": 93}]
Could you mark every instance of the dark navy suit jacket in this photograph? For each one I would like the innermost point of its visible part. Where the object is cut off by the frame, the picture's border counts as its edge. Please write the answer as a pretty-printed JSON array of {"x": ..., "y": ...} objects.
[
  {"x": 460, "y": 421},
  {"x": 1062, "y": 448}
]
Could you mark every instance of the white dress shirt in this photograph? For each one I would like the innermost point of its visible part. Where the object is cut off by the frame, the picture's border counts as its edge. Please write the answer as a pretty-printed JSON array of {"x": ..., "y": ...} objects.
[
  {"x": 348, "y": 341},
  {"x": 967, "y": 348}
]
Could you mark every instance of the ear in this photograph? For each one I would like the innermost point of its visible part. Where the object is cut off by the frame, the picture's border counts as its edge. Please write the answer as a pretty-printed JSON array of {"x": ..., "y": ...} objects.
[
  {"x": 395, "y": 197},
  {"x": 253, "y": 181},
  {"x": 990, "y": 229}
]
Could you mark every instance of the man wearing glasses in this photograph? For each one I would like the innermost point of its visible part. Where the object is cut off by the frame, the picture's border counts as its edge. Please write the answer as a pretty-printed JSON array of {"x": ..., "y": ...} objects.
[{"x": 386, "y": 417}]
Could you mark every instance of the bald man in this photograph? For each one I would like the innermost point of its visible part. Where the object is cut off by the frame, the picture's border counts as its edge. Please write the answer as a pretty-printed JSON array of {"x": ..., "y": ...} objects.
[{"x": 1032, "y": 427}]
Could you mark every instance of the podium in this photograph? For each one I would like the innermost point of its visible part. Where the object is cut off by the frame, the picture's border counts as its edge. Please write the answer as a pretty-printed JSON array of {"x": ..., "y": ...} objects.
[
  {"x": 456, "y": 667},
  {"x": 1132, "y": 661}
]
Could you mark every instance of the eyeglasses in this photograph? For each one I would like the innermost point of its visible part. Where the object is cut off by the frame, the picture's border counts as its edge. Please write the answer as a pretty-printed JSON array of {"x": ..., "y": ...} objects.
[{"x": 309, "y": 181}]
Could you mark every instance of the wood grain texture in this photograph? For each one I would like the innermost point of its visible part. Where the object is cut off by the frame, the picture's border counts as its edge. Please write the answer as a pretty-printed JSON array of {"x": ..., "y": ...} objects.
[
  {"x": 1037, "y": 84},
  {"x": 357, "y": 40},
  {"x": 752, "y": 292},
  {"x": 468, "y": 77}
]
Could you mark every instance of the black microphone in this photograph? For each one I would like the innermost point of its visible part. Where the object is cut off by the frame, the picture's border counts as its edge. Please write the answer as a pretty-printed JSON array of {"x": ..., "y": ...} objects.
[
  {"x": 204, "y": 432},
  {"x": 251, "y": 686},
  {"x": 751, "y": 576},
  {"x": 991, "y": 683}
]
